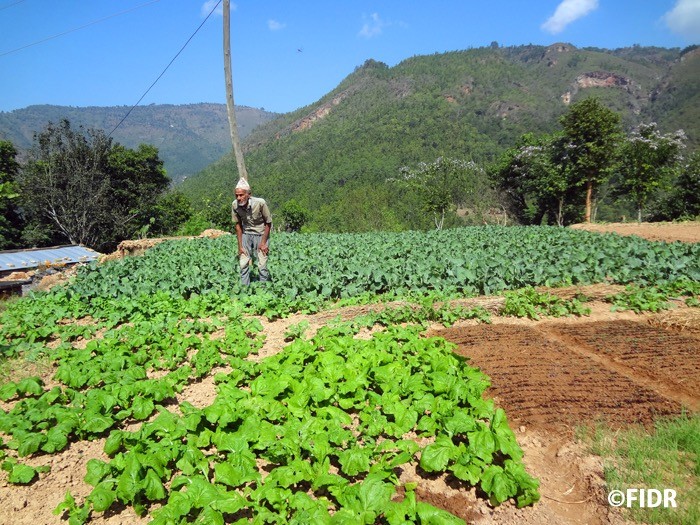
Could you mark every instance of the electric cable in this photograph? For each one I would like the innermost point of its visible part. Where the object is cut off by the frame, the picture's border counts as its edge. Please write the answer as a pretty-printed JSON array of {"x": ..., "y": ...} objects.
[
  {"x": 166, "y": 68},
  {"x": 10, "y": 5},
  {"x": 74, "y": 29}
]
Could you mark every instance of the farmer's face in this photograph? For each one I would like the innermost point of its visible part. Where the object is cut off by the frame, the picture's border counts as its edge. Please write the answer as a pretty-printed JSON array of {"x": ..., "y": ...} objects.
[{"x": 242, "y": 196}]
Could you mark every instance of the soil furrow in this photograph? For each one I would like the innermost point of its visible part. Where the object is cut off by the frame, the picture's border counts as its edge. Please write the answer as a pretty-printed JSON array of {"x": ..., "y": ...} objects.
[{"x": 633, "y": 368}]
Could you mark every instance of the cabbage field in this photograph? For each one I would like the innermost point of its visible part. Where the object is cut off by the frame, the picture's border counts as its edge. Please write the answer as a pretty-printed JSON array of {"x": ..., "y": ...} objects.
[
  {"x": 479, "y": 260},
  {"x": 315, "y": 433}
]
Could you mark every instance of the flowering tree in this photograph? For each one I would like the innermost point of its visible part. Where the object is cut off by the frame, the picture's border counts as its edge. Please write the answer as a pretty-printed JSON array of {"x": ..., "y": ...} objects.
[
  {"x": 647, "y": 158},
  {"x": 443, "y": 184},
  {"x": 536, "y": 177},
  {"x": 546, "y": 172}
]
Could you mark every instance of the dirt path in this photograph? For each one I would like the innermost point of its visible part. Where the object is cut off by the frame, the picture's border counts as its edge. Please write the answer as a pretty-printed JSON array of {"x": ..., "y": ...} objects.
[
  {"x": 550, "y": 376},
  {"x": 655, "y": 231}
]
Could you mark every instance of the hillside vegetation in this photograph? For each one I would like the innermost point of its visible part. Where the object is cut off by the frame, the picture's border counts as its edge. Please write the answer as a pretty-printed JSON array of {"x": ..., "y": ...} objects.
[
  {"x": 188, "y": 137},
  {"x": 334, "y": 157}
]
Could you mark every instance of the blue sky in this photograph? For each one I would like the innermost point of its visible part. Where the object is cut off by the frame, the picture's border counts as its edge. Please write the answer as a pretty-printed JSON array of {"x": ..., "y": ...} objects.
[{"x": 286, "y": 54}]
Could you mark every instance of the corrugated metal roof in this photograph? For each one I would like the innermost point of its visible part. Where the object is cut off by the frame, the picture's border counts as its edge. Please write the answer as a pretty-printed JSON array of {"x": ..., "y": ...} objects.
[{"x": 57, "y": 255}]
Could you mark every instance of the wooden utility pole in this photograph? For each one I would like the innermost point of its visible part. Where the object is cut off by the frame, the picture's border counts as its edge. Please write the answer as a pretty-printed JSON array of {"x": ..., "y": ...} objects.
[{"x": 235, "y": 139}]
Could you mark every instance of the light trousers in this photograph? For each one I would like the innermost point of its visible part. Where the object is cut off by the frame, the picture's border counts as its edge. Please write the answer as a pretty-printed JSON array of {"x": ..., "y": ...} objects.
[{"x": 251, "y": 244}]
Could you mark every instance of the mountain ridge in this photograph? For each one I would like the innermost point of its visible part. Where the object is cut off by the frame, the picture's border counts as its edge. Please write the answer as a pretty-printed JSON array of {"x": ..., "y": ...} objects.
[
  {"x": 189, "y": 137},
  {"x": 469, "y": 104}
]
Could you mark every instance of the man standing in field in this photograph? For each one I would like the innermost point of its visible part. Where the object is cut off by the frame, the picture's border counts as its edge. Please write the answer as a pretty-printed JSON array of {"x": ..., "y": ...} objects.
[{"x": 253, "y": 223}]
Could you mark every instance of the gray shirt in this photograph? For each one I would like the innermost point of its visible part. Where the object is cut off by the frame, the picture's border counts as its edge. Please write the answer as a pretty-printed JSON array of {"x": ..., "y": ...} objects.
[{"x": 253, "y": 217}]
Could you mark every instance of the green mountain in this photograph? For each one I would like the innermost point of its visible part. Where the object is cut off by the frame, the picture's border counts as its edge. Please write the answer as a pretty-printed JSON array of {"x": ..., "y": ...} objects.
[
  {"x": 335, "y": 156},
  {"x": 189, "y": 137},
  {"x": 675, "y": 102}
]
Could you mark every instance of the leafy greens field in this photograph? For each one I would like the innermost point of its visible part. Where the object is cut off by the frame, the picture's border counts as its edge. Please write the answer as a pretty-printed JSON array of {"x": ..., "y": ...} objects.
[
  {"x": 315, "y": 433},
  {"x": 477, "y": 260}
]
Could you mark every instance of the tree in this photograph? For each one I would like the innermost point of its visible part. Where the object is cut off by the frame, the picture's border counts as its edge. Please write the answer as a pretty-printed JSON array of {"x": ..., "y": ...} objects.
[
  {"x": 508, "y": 175},
  {"x": 686, "y": 194},
  {"x": 172, "y": 211},
  {"x": 294, "y": 215},
  {"x": 442, "y": 185},
  {"x": 137, "y": 180},
  {"x": 646, "y": 160},
  {"x": 10, "y": 221},
  {"x": 78, "y": 186},
  {"x": 535, "y": 178},
  {"x": 546, "y": 173},
  {"x": 592, "y": 133},
  {"x": 63, "y": 184},
  {"x": 8, "y": 162}
]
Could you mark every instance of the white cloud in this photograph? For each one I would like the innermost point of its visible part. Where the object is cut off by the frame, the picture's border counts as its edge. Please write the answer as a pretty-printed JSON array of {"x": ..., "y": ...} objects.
[
  {"x": 567, "y": 12},
  {"x": 684, "y": 19},
  {"x": 209, "y": 5},
  {"x": 274, "y": 25},
  {"x": 372, "y": 27}
]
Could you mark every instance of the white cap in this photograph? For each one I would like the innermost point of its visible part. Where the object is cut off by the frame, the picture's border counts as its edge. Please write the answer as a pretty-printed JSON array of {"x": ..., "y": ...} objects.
[{"x": 243, "y": 185}]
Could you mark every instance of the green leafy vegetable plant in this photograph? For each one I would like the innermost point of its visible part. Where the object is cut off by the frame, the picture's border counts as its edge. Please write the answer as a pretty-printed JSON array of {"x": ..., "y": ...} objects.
[{"x": 532, "y": 304}]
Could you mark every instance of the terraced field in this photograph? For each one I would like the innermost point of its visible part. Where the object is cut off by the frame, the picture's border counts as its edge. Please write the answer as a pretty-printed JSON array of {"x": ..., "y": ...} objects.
[{"x": 155, "y": 388}]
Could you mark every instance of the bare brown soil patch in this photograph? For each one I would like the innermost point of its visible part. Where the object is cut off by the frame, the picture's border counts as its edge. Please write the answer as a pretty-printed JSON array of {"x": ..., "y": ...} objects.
[
  {"x": 655, "y": 231},
  {"x": 556, "y": 375}
]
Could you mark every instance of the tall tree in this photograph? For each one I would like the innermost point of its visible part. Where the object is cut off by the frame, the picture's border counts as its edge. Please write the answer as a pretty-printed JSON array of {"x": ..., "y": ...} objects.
[
  {"x": 78, "y": 186},
  {"x": 546, "y": 173},
  {"x": 686, "y": 195},
  {"x": 136, "y": 180},
  {"x": 592, "y": 133},
  {"x": 64, "y": 184},
  {"x": 10, "y": 221},
  {"x": 646, "y": 160}
]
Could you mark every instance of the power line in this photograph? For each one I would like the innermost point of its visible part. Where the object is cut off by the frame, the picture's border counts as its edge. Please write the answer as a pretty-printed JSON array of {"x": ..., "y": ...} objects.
[
  {"x": 10, "y": 5},
  {"x": 166, "y": 68},
  {"x": 74, "y": 29}
]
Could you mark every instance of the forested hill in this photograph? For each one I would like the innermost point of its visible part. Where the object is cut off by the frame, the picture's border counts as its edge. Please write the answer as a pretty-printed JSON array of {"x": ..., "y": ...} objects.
[
  {"x": 468, "y": 105},
  {"x": 189, "y": 137}
]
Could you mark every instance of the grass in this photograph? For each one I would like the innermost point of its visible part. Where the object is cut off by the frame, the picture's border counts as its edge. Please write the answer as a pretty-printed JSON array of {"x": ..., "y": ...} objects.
[
  {"x": 21, "y": 367},
  {"x": 668, "y": 457},
  {"x": 8, "y": 300}
]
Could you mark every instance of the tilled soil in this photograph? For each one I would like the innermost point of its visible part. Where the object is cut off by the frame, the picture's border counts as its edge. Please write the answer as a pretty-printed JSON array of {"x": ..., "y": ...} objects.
[
  {"x": 552, "y": 374},
  {"x": 552, "y": 377}
]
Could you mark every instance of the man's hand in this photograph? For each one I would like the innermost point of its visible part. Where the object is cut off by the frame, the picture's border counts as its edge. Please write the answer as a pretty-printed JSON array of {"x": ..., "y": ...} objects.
[
  {"x": 241, "y": 251},
  {"x": 264, "y": 248}
]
